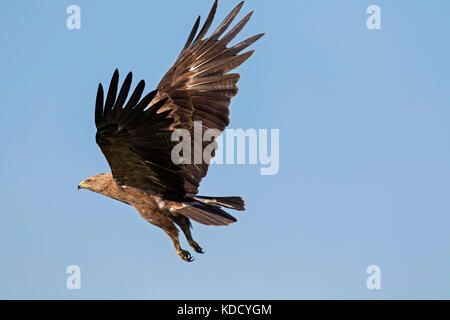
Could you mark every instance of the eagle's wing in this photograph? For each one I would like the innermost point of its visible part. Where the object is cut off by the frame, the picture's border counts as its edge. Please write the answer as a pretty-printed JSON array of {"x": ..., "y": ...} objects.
[
  {"x": 199, "y": 86},
  {"x": 136, "y": 139}
]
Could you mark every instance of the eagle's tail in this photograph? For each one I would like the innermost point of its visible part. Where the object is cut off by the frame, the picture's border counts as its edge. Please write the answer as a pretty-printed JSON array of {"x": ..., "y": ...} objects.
[
  {"x": 207, "y": 210},
  {"x": 236, "y": 203}
]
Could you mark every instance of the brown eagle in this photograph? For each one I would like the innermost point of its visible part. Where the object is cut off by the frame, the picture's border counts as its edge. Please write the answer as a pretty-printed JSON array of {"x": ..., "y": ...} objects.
[{"x": 135, "y": 136}]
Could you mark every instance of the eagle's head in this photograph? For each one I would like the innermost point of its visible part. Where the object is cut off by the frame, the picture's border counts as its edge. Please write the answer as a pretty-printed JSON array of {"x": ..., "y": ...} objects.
[{"x": 97, "y": 183}]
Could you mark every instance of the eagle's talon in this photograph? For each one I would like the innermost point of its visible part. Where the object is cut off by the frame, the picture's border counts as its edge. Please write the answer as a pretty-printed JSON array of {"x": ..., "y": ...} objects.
[
  {"x": 185, "y": 255},
  {"x": 194, "y": 245}
]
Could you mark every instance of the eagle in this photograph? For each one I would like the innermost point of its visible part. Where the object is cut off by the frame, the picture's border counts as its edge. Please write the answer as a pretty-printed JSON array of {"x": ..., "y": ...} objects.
[{"x": 135, "y": 134}]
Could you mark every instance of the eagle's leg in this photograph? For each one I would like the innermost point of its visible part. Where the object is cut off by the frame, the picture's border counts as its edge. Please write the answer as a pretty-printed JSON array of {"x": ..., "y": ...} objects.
[
  {"x": 185, "y": 226},
  {"x": 167, "y": 225},
  {"x": 173, "y": 234}
]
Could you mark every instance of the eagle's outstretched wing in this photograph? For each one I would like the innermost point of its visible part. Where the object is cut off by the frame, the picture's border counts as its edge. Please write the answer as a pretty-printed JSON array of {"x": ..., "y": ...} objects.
[
  {"x": 199, "y": 86},
  {"x": 136, "y": 139}
]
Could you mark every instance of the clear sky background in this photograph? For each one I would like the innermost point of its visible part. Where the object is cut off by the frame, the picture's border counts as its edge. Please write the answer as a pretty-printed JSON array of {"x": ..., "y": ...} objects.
[{"x": 364, "y": 173}]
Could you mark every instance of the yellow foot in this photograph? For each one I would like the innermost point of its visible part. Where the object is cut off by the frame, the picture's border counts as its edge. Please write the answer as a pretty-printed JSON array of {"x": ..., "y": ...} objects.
[
  {"x": 194, "y": 245},
  {"x": 185, "y": 255}
]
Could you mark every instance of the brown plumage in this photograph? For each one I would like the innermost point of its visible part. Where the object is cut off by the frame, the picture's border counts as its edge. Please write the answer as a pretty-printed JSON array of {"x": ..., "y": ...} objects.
[{"x": 135, "y": 136}]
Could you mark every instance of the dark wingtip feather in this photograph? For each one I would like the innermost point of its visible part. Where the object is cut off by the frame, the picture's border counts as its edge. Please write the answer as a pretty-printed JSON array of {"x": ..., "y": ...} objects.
[
  {"x": 99, "y": 105},
  {"x": 246, "y": 43},
  {"x": 207, "y": 23},
  {"x": 253, "y": 39},
  {"x": 227, "y": 21},
  {"x": 192, "y": 34},
  {"x": 137, "y": 93},
  {"x": 123, "y": 93},
  {"x": 112, "y": 92},
  {"x": 248, "y": 53},
  {"x": 115, "y": 75},
  {"x": 145, "y": 101},
  {"x": 236, "y": 29}
]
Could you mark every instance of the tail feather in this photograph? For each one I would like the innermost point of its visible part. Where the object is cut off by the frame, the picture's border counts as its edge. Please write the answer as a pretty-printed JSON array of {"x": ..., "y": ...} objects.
[
  {"x": 206, "y": 214},
  {"x": 236, "y": 203},
  {"x": 207, "y": 210}
]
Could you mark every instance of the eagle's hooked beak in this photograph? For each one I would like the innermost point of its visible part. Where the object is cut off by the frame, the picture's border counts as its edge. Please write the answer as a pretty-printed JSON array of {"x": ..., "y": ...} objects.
[{"x": 83, "y": 185}]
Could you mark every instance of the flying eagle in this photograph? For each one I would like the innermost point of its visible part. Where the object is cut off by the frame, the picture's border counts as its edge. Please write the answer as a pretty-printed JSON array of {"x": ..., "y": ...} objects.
[{"x": 135, "y": 136}]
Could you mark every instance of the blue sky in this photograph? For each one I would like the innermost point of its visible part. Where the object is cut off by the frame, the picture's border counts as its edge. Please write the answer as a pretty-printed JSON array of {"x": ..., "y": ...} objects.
[{"x": 364, "y": 153}]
